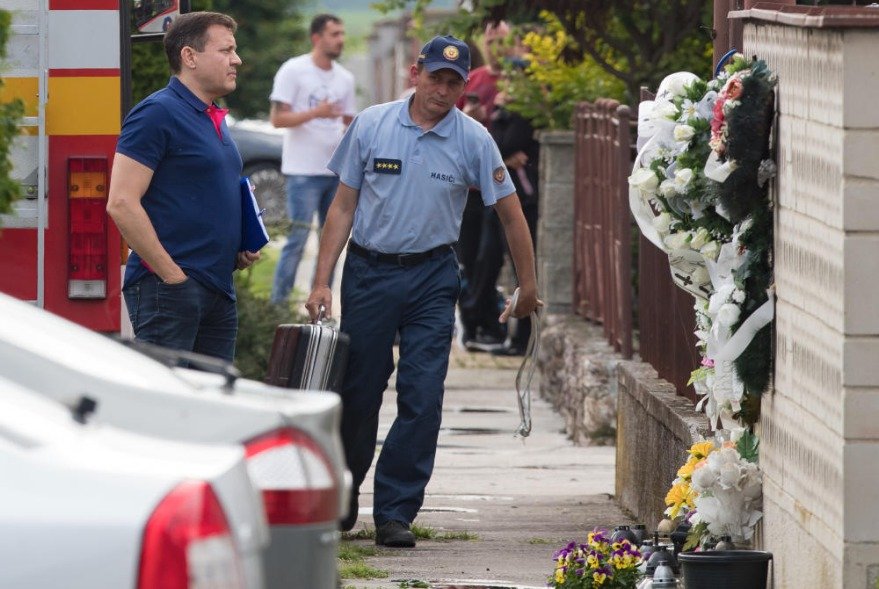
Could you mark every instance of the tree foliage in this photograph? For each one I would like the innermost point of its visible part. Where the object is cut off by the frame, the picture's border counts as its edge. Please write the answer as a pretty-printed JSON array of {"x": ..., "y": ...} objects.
[
  {"x": 10, "y": 114},
  {"x": 637, "y": 41},
  {"x": 269, "y": 32}
]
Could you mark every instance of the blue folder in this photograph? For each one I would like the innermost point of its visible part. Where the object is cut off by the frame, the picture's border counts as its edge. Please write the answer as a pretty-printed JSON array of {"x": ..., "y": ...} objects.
[{"x": 253, "y": 231}]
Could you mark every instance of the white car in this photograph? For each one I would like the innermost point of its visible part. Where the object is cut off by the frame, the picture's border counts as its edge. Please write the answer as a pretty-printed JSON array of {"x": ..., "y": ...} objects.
[
  {"x": 291, "y": 438},
  {"x": 87, "y": 506}
]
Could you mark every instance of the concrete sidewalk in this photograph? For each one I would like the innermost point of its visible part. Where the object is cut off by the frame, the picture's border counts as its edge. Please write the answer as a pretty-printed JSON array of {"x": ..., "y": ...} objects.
[{"x": 522, "y": 499}]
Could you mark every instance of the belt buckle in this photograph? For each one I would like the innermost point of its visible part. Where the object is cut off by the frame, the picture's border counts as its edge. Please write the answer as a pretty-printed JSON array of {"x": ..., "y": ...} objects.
[{"x": 401, "y": 259}]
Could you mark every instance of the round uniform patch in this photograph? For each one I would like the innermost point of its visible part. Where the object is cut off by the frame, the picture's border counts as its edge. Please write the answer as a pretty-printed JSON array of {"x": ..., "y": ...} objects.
[
  {"x": 499, "y": 174},
  {"x": 450, "y": 52}
]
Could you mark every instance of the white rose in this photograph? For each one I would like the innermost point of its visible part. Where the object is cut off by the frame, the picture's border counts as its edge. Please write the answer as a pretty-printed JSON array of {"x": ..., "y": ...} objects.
[
  {"x": 700, "y": 238},
  {"x": 667, "y": 188},
  {"x": 664, "y": 110},
  {"x": 720, "y": 296},
  {"x": 700, "y": 275},
  {"x": 676, "y": 241},
  {"x": 703, "y": 478},
  {"x": 683, "y": 177},
  {"x": 729, "y": 476},
  {"x": 728, "y": 314},
  {"x": 644, "y": 179},
  {"x": 662, "y": 222},
  {"x": 710, "y": 250},
  {"x": 684, "y": 132}
]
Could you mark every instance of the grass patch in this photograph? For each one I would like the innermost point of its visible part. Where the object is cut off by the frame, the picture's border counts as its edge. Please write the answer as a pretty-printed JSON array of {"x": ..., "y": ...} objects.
[
  {"x": 413, "y": 584},
  {"x": 353, "y": 552},
  {"x": 352, "y": 563},
  {"x": 540, "y": 541},
  {"x": 360, "y": 570},
  {"x": 429, "y": 533}
]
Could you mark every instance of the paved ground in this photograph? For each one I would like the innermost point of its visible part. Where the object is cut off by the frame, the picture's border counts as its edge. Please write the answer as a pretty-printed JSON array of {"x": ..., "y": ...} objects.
[{"x": 521, "y": 499}]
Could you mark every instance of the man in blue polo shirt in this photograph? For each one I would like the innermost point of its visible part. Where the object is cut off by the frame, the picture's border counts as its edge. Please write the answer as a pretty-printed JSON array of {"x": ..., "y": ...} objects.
[
  {"x": 404, "y": 169},
  {"x": 175, "y": 196}
]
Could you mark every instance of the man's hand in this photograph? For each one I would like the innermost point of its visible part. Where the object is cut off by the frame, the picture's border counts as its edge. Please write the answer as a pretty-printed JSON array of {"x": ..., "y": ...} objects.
[
  {"x": 474, "y": 110},
  {"x": 517, "y": 160},
  {"x": 320, "y": 296},
  {"x": 526, "y": 302},
  {"x": 246, "y": 259},
  {"x": 326, "y": 110}
]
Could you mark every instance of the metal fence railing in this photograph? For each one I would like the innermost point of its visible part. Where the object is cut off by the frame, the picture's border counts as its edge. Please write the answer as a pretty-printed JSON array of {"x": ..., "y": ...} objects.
[
  {"x": 603, "y": 263},
  {"x": 602, "y": 225}
]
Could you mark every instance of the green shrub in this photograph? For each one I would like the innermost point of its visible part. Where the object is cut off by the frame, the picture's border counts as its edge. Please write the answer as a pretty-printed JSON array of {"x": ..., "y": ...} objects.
[
  {"x": 548, "y": 88},
  {"x": 10, "y": 114},
  {"x": 257, "y": 320}
]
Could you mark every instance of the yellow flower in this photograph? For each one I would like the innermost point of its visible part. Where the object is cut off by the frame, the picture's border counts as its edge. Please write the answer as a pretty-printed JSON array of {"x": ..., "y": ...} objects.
[
  {"x": 686, "y": 471},
  {"x": 599, "y": 578},
  {"x": 559, "y": 576},
  {"x": 678, "y": 496},
  {"x": 592, "y": 561},
  {"x": 701, "y": 450}
]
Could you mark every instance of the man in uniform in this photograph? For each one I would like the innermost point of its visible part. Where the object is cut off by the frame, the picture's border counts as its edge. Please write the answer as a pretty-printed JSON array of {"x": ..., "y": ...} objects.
[{"x": 404, "y": 169}]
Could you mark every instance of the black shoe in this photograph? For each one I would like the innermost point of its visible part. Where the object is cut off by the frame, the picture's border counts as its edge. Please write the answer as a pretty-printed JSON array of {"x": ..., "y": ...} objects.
[
  {"x": 347, "y": 524},
  {"x": 508, "y": 351},
  {"x": 394, "y": 534}
]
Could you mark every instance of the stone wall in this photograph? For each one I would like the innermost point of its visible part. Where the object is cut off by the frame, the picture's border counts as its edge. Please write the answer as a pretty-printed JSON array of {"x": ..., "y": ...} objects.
[
  {"x": 819, "y": 432},
  {"x": 655, "y": 428},
  {"x": 578, "y": 377}
]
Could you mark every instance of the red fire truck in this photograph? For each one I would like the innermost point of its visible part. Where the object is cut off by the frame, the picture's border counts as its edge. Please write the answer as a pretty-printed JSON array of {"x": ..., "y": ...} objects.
[{"x": 67, "y": 60}]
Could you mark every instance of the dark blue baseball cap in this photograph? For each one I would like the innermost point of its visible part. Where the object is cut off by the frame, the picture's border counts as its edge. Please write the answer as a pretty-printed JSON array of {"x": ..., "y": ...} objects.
[{"x": 446, "y": 53}]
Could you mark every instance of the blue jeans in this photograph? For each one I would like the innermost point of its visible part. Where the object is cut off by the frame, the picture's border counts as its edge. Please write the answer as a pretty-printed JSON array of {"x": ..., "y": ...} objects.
[
  {"x": 378, "y": 300},
  {"x": 186, "y": 316},
  {"x": 306, "y": 195}
]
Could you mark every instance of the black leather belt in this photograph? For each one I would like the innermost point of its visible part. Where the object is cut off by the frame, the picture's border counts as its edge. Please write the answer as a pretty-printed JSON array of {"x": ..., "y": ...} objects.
[{"x": 397, "y": 259}]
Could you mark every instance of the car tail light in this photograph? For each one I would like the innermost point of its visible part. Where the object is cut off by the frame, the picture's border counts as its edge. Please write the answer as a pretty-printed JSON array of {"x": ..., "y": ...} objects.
[
  {"x": 295, "y": 476},
  {"x": 87, "y": 228},
  {"x": 187, "y": 543}
]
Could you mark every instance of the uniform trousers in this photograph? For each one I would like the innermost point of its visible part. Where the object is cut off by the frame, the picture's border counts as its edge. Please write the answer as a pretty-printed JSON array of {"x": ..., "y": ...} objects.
[{"x": 380, "y": 299}]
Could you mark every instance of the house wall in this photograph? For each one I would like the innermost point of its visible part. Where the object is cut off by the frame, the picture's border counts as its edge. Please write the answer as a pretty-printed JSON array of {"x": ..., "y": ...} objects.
[{"x": 819, "y": 427}]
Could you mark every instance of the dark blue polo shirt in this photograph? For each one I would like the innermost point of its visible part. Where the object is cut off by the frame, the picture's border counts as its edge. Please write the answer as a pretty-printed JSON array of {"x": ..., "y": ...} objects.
[{"x": 194, "y": 199}]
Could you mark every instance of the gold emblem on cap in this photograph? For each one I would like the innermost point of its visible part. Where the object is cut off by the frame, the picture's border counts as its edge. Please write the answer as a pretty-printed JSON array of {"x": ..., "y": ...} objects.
[{"x": 450, "y": 52}]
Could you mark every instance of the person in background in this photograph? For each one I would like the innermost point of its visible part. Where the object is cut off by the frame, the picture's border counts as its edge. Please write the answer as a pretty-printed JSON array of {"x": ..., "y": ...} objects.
[
  {"x": 313, "y": 99},
  {"x": 175, "y": 196},
  {"x": 405, "y": 168},
  {"x": 515, "y": 139},
  {"x": 481, "y": 248}
]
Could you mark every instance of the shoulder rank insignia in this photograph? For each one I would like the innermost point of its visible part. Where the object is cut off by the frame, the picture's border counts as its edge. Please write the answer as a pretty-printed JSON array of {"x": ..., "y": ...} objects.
[{"x": 382, "y": 165}]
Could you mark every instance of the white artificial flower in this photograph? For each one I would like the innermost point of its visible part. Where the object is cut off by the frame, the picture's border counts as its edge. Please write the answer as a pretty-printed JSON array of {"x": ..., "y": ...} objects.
[
  {"x": 728, "y": 314},
  {"x": 710, "y": 250},
  {"x": 736, "y": 433},
  {"x": 729, "y": 475},
  {"x": 676, "y": 241},
  {"x": 720, "y": 297},
  {"x": 664, "y": 110},
  {"x": 689, "y": 110},
  {"x": 644, "y": 179},
  {"x": 738, "y": 296},
  {"x": 700, "y": 275},
  {"x": 662, "y": 222},
  {"x": 703, "y": 478},
  {"x": 700, "y": 238},
  {"x": 684, "y": 132},
  {"x": 667, "y": 188},
  {"x": 683, "y": 177}
]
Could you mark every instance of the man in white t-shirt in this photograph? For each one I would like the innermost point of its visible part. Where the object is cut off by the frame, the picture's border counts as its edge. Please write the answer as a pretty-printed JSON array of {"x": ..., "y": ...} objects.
[{"x": 313, "y": 98}]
